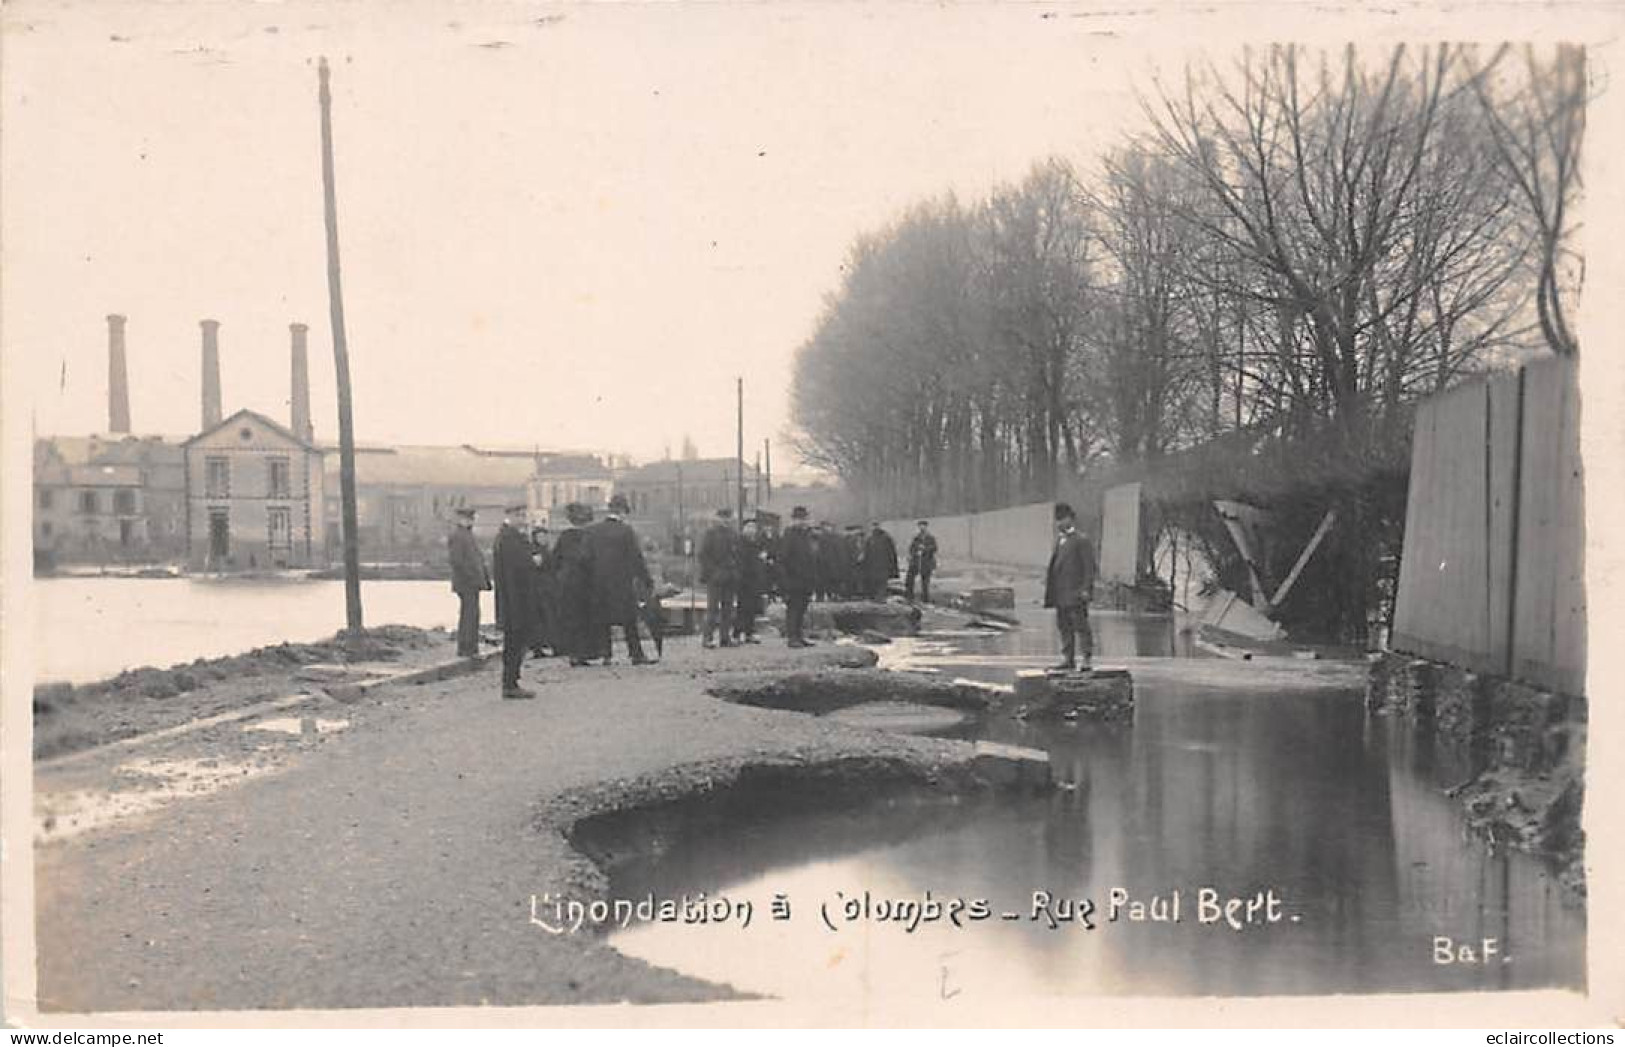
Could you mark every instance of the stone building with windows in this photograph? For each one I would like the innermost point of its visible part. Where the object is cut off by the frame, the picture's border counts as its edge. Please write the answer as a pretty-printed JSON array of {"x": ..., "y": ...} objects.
[
  {"x": 109, "y": 499},
  {"x": 254, "y": 497},
  {"x": 560, "y": 479}
]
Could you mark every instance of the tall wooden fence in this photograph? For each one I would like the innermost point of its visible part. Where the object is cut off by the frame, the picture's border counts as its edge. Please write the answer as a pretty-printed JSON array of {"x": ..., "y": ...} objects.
[
  {"x": 1020, "y": 536},
  {"x": 1492, "y": 574}
]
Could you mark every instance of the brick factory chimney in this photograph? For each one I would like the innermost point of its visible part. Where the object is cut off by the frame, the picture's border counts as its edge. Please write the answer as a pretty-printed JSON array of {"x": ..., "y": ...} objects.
[
  {"x": 118, "y": 378},
  {"x": 301, "y": 386},
  {"x": 211, "y": 373}
]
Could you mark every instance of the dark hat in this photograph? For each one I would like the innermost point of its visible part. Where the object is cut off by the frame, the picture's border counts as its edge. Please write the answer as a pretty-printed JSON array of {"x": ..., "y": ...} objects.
[
  {"x": 798, "y": 513},
  {"x": 925, "y": 523},
  {"x": 1063, "y": 511},
  {"x": 515, "y": 507},
  {"x": 578, "y": 513},
  {"x": 465, "y": 510},
  {"x": 619, "y": 504},
  {"x": 725, "y": 512}
]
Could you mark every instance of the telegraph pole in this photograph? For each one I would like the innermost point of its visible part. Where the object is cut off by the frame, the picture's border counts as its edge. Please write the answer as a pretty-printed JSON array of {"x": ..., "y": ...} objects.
[
  {"x": 341, "y": 364},
  {"x": 739, "y": 449}
]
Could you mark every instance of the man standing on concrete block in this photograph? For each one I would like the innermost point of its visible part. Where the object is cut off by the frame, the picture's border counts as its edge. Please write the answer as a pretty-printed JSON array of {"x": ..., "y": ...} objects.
[
  {"x": 469, "y": 578},
  {"x": 1068, "y": 586},
  {"x": 719, "y": 573},
  {"x": 799, "y": 570},
  {"x": 515, "y": 574},
  {"x": 922, "y": 562}
]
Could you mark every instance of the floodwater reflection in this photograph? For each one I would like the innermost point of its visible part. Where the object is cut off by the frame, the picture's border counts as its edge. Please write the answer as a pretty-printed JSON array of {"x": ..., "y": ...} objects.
[{"x": 1343, "y": 818}]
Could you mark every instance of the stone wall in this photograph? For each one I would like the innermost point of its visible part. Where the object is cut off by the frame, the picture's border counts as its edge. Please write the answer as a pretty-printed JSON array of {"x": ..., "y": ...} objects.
[{"x": 1526, "y": 748}]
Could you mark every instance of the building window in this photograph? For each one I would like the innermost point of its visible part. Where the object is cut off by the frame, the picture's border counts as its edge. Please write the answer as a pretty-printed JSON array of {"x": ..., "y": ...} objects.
[
  {"x": 279, "y": 528},
  {"x": 89, "y": 504},
  {"x": 46, "y": 497},
  {"x": 124, "y": 503},
  {"x": 45, "y": 529},
  {"x": 217, "y": 477},
  {"x": 281, "y": 479}
]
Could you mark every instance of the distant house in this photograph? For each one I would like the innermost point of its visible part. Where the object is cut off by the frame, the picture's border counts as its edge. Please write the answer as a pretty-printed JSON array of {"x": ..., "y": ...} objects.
[
  {"x": 560, "y": 479},
  {"x": 671, "y": 497},
  {"x": 109, "y": 499},
  {"x": 254, "y": 496},
  {"x": 406, "y": 496}
]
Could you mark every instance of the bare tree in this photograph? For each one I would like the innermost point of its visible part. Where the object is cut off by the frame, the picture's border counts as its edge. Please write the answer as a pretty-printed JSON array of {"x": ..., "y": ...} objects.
[{"x": 1537, "y": 128}]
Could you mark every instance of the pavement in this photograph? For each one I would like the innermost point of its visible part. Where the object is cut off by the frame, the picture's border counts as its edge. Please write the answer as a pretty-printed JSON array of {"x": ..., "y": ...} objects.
[{"x": 383, "y": 852}]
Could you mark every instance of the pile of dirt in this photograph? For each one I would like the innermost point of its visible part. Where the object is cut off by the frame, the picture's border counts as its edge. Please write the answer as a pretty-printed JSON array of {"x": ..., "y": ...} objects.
[{"x": 69, "y": 717}]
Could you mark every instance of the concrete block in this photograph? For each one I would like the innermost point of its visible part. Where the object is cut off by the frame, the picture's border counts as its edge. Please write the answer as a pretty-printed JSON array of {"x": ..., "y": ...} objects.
[{"x": 1012, "y": 766}]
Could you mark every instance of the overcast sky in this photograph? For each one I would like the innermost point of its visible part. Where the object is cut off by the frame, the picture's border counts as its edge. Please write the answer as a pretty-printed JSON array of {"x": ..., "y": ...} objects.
[{"x": 562, "y": 225}]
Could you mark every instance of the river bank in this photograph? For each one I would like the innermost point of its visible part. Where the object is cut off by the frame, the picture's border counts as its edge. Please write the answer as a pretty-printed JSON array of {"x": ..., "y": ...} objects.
[{"x": 319, "y": 861}]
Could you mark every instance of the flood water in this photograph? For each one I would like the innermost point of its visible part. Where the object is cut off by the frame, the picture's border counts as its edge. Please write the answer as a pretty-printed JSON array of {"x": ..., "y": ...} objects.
[
  {"x": 1296, "y": 796},
  {"x": 92, "y": 628}
]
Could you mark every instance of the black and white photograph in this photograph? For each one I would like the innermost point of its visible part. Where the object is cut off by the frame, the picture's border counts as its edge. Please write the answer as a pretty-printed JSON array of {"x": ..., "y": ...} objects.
[{"x": 811, "y": 514}]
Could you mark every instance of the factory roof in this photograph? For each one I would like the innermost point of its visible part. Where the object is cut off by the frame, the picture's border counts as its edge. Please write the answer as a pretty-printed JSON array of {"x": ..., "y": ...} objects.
[
  {"x": 694, "y": 470},
  {"x": 462, "y": 466}
]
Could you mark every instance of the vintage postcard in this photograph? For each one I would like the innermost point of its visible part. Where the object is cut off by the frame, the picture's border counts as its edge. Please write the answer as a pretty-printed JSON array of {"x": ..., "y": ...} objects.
[{"x": 561, "y": 513}]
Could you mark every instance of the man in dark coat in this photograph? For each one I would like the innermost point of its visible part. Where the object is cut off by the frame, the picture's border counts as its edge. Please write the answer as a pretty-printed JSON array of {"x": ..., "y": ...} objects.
[
  {"x": 573, "y": 629},
  {"x": 829, "y": 551},
  {"x": 619, "y": 573},
  {"x": 545, "y": 639},
  {"x": 719, "y": 573},
  {"x": 469, "y": 578},
  {"x": 851, "y": 582},
  {"x": 752, "y": 582},
  {"x": 515, "y": 575},
  {"x": 922, "y": 562},
  {"x": 879, "y": 561},
  {"x": 1067, "y": 587},
  {"x": 797, "y": 571}
]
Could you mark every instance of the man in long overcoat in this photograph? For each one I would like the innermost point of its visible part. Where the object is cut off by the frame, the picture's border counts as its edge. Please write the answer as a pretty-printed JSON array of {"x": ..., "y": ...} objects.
[
  {"x": 545, "y": 638},
  {"x": 469, "y": 578},
  {"x": 879, "y": 561},
  {"x": 1068, "y": 585},
  {"x": 719, "y": 573},
  {"x": 752, "y": 581},
  {"x": 619, "y": 573},
  {"x": 515, "y": 574},
  {"x": 573, "y": 629},
  {"x": 922, "y": 562},
  {"x": 798, "y": 570}
]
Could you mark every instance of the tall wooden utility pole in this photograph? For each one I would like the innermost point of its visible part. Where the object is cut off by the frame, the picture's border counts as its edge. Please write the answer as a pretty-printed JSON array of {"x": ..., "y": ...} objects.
[
  {"x": 341, "y": 365},
  {"x": 739, "y": 448}
]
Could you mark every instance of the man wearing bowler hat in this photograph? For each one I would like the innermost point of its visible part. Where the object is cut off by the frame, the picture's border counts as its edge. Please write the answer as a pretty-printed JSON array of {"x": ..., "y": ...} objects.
[
  {"x": 619, "y": 572},
  {"x": 922, "y": 561},
  {"x": 515, "y": 574},
  {"x": 799, "y": 571},
  {"x": 469, "y": 578},
  {"x": 1067, "y": 587}
]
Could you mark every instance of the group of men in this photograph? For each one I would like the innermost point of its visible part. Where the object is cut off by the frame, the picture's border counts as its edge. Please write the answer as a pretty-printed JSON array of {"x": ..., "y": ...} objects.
[
  {"x": 854, "y": 564},
  {"x": 564, "y": 598}
]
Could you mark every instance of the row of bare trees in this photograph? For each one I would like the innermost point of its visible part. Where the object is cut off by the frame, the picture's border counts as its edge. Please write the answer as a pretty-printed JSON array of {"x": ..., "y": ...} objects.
[{"x": 1298, "y": 245}]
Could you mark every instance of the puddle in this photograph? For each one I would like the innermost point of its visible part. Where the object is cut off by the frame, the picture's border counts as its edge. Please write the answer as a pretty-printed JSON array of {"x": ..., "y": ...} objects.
[
  {"x": 295, "y": 725},
  {"x": 902, "y": 717},
  {"x": 139, "y": 787}
]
